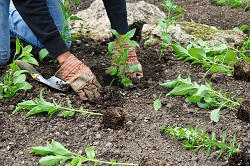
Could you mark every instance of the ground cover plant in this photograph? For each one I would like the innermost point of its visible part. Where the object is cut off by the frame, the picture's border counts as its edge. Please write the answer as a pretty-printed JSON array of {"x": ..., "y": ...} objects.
[
  {"x": 39, "y": 105},
  {"x": 55, "y": 153},
  {"x": 196, "y": 138},
  {"x": 203, "y": 95},
  {"x": 15, "y": 79},
  {"x": 119, "y": 66}
]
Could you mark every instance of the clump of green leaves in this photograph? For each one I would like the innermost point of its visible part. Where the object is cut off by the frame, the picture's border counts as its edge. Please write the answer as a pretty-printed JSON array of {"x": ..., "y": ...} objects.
[
  {"x": 233, "y": 3},
  {"x": 203, "y": 95},
  {"x": 244, "y": 50},
  {"x": 119, "y": 49},
  {"x": 15, "y": 79},
  {"x": 165, "y": 23},
  {"x": 196, "y": 138},
  {"x": 41, "y": 106},
  {"x": 216, "y": 59},
  {"x": 55, "y": 153}
]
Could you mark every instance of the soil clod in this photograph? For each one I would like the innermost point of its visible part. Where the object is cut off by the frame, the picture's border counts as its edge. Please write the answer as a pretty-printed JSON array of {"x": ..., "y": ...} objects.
[
  {"x": 149, "y": 161},
  {"x": 244, "y": 111},
  {"x": 242, "y": 71},
  {"x": 113, "y": 118}
]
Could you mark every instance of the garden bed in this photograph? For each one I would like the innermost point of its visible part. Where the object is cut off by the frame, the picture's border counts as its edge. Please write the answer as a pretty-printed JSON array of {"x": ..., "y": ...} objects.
[{"x": 138, "y": 139}]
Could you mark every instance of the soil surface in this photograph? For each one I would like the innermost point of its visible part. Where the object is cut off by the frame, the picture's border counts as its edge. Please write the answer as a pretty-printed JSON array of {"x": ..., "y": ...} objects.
[{"x": 137, "y": 138}]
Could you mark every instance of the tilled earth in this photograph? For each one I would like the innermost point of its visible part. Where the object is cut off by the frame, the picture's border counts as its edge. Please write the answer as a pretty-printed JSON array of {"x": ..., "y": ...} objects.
[{"x": 138, "y": 138}]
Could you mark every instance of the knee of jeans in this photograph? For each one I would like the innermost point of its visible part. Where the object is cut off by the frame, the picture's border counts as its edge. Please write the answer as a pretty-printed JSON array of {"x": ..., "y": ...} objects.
[{"x": 4, "y": 57}]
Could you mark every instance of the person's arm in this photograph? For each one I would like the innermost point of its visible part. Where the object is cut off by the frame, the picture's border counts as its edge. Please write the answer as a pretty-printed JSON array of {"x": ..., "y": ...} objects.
[{"x": 36, "y": 14}]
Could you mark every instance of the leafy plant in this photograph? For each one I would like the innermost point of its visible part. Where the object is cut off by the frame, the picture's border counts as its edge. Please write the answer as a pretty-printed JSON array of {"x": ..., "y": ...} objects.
[
  {"x": 40, "y": 105},
  {"x": 165, "y": 23},
  {"x": 216, "y": 59},
  {"x": 15, "y": 79},
  {"x": 120, "y": 50},
  {"x": 203, "y": 95},
  {"x": 244, "y": 50},
  {"x": 233, "y": 3},
  {"x": 55, "y": 153},
  {"x": 195, "y": 139}
]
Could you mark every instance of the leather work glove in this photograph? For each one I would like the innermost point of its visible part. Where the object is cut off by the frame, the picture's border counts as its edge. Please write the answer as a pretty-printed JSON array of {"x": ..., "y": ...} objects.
[{"x": 80, "y": 78}]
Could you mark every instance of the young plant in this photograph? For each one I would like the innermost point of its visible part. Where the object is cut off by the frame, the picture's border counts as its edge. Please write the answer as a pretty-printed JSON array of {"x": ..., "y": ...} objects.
[
  {"x": 233, "y": 3},
  {"x": 203, "y": 95},
  {"x": 119, "y": 66},
  {"x": 55, "y": 153},
  {"x": 244, "y": 50},
  {"x": 15, "y": 79},
  {"x": 196, "y": 138},
  {"x": 216, "y": 59},
  {"x": 165, "y": 23},
  {"x": 40, "y": 106}
]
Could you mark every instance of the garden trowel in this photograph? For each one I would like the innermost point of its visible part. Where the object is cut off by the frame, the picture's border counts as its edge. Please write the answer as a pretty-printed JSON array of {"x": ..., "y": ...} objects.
[{"x": 53, "y": 81}]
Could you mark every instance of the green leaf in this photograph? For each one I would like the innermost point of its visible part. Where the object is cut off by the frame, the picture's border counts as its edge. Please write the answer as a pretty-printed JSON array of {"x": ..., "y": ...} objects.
[
  {"x": 113, "y": 70},
  {"x": 77, "y": 2},
  {"x": 35, "y": 110},
  {"x": 111, "y": 45},
  {"x": 134, "y": 68},
  {"x": 72, "y": 18},
  {"x": 157, "y": 104},
  {"x": 230, "y": 57},
  {"x": 179, "y": 50},
  {"x": 244, "y": 27},
  {"x": 59, "y": 149},
  {"x": 52, "y": 160},
  {"x": 215, "y": 115},
  {"x": 218, "y": 68},
  {"x": 114, "y": 32},
  {"x": 198, "y": 53},
  {"x": 90, "y": 152},
  {"x": 24, "y": 105},
  {"x": 43, "y": 53},
  {"x": 126, "y": 82},
  {"x": 182, "y": 89},
  {"x": 19, "y": 79},
  {"x": 30, "y": 60},
  {"x": 40, "y": 150},
  {"x": 27, "y": 49},
  {"x": 129, "y": 34},
  {"x": 18, "y": 46},
  {"x": 68, "y": 113}
]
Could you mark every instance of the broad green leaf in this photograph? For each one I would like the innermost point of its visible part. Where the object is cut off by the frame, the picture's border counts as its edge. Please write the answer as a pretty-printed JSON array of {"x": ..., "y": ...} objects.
[
  {"x": 114, "y": 32},
  {"x": 230, "y": 57},
  {"x": 35, "y": 110},
  {"x": 43, "y": 53},
  {"x": 111, "y": 46},
  {"x": 157, "y": 104},
  {"x": 133, "y": 43},
  {"x": 244, "y": 27},
  {"x": 129, "y": 34},
  {"x": 23, "y": 86},
  {"x": 24, "y": 105},
  {"x": 113, "y": 70},
  {"x": 59, "y": 149},
  {"x": 215, "y": 115},
  {"x": 90, "y": 152},
  {"x": 27, "y": 49},
  {"x": 218, "y": 68},
  {"x": 18, "y": 46},
  {"x": 52, "y": 160},
  {"x": 19, "y": 79},
  {"x": 179, "y": 50},
  {"x": 182, "y": 89},
  {"x": 40, "y": 150},
  {"x": 198, "y": 53},
  {"x": 170, "y": 84},
  {"x": 134, "y": 68},
  {"x": 127, "y": 82},
  {"x": 30, "y": 60}
]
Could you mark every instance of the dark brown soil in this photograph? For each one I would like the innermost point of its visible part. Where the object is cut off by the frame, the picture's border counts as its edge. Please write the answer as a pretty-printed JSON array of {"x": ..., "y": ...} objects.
[
  {"x": 244, "y": 111},
  {"x": 242, "y": 71},
  {"x": 242, "y": 158},
  {"x": 138, "y": 140},
  {"x": 113, "y": 118}
]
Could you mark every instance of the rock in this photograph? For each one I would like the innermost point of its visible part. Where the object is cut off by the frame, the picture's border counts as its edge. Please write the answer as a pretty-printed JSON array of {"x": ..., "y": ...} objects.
[
  {"x": 186, "y": 32},
  {"x": 98, "y": 136},
  {"x": 96, "y": 23},
  {"x": 242, "y": 71},
  {"x": 113, "y": 118}
]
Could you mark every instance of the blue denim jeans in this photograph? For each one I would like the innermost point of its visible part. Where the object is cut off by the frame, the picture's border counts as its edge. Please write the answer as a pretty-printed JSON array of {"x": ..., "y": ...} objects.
[{"x": 12, "y": 25}]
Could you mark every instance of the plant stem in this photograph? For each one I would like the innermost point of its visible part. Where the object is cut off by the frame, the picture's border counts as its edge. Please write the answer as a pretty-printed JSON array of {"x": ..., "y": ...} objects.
[{"x": 80, "y": 111}]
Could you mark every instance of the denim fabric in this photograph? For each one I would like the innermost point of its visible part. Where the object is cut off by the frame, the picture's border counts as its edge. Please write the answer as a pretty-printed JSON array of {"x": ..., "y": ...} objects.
[{"x": 15, "y": 26}]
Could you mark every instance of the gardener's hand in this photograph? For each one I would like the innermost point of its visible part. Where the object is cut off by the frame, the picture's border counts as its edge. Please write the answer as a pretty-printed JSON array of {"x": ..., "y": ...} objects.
[{"x": 79, "y": 76}]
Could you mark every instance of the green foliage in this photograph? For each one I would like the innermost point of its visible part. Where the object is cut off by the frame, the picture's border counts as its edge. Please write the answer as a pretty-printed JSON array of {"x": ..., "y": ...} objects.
[
  {"x": 216, "y": 59},
  {"x": 157, "y": 104},
  {"x": 166, "y": 22},
  {"x": 203, "y": 95},
  {"x": 55, "y": 153},
  {"x": 40, "y": 106},
  {"x": 15, "y": 79},
  {"x": 195, "y": 139},
  {"x": 68, "y": 16},
  {"x": 43, "y": 53},
  {"x": 233, "y": 3},
  {"x": 244, "y": 50},
  {"x": 120, "y": 67}
]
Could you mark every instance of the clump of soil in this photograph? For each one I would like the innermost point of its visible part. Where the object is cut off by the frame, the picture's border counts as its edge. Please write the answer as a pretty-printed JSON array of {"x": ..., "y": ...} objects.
[
  {"x": 113, "y": 118},
  {"x": 244, "y": 111},
  {"x": 149, "y": 161},
  {"x": 242, "y": 71},
  {"x": 240, "y": 159}
]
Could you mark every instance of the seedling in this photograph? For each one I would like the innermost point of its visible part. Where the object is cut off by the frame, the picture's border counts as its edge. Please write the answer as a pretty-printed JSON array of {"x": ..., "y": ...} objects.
[
  {"x": 203, "y": 95},
  {"x": 165, "y": 23},
  {"x": 216, "y": 59},
  {"x": 233, "y": 3},
  {"x": 244, "y": 50},
  {"x": 196, "y": 138},
  {"x": 40, "y": 106},
  {"x": 55, "y": 153},
  {"x": 15, "y": 79},
  {"x": 119, "y": 66}
]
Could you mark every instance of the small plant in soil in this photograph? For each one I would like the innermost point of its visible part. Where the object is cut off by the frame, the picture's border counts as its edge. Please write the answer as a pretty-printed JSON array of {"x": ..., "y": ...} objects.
[
  {"x": 196, "y": 138},
  {"x": 203, "y": 95},
  {"x": 119, "y": 50},
  {"x": 55, "y": 153},
  {"x": 15, "y": 79},
  {"x": 41, "y": 106},
  {"x": 216, "y": 59},
  {"x": 165, "y": 23},
  {"x": 233, "y": 3}
]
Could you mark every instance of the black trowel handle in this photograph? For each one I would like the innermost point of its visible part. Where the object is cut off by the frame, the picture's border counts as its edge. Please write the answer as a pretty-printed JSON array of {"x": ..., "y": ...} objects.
[{"x": 26, "y": 66}]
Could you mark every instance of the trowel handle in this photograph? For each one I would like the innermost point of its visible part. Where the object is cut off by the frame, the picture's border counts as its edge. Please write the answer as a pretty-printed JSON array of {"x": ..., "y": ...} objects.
[{"x": 26, "y": 66}]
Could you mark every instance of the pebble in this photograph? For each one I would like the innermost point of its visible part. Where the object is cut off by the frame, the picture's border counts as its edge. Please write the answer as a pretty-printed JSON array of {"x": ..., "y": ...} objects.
[
  {"x": 57, "y": 133},
  {"x": 98, "y": 136},
  {"x": 96, "y": 143},
  {"x": 8, "y": 148},
  {"x": 109, "y": 145},
  {"x": 11, "y": 107},
  {"x": 129, "y": 123}
]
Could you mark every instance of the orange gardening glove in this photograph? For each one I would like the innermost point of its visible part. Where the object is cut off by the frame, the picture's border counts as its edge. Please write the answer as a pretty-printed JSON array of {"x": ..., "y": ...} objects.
[{"x": 80, "y": 78}]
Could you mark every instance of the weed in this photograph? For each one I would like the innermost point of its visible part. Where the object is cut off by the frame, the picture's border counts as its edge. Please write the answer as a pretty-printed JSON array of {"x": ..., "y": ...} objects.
[
  {"x": 40, "y": 106},
  {"x": 15, "y": 79},
  {"x": 120, "y": 67},
  {"x": 203, "y": 95},
  {"x": 244, "y": 50},
  {"x": 195, "y": 139},
  {"x": 216, "y": 59},
  {"x": 55, "y": 153},
  {"x": 233, "y": 3}
]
